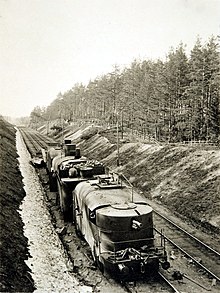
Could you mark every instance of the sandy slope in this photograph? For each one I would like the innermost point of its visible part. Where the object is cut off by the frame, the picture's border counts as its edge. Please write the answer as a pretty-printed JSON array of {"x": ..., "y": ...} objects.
[{"x": 14, "y": 273}]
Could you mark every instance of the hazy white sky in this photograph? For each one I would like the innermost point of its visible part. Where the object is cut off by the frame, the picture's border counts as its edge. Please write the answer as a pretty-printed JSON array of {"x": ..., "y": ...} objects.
[{"x": 47, "y": 46}]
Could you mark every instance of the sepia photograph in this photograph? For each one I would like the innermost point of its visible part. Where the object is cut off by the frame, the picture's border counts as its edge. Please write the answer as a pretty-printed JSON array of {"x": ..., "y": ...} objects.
[{"x": 110, "y": 146}]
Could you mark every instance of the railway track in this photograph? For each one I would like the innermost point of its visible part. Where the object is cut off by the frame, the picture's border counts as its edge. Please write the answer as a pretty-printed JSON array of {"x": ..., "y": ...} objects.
[
  {"x": 34, "y": 140},
  {"x": 203, "y": 255},
  {"x": 140, "y": 286},
  {"x": 174, "y": 289}
]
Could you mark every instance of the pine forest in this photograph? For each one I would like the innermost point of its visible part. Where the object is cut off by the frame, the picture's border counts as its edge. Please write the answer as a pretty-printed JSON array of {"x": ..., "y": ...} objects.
[{"x": 176, "y": 100}]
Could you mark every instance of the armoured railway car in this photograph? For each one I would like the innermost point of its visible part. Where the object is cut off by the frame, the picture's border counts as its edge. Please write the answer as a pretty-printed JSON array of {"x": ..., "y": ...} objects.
[
  {"x": 66, "y": 168},
  {"x": 118, "y": 226},
  {"x": 116, "y": 222}
]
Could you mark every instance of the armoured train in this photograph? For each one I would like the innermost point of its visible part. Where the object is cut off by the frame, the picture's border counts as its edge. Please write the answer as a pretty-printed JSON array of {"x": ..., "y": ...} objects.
[{"x": 116, "y": 222}]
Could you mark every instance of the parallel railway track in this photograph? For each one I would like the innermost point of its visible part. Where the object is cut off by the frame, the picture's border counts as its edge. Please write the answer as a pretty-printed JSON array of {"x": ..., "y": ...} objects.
[
  {"x": 140, "y": 286},
  {"x": 34, "y": 140},
  {"x": 199, "y": 252}
]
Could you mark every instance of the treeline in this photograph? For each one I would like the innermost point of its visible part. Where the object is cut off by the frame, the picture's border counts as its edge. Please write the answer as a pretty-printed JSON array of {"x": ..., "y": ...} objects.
[{"x": 174, "y": 100}]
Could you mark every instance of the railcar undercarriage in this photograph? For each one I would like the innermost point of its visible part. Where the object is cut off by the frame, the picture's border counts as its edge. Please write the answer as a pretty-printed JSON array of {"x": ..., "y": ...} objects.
[{"x": 132, "y": 263}]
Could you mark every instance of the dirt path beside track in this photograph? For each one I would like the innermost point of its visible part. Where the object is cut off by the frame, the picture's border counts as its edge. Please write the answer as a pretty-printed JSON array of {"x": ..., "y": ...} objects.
[{"x": 48, "y": 261}]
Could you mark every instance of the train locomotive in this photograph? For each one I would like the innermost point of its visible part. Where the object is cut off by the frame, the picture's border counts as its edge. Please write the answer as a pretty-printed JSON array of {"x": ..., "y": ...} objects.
[
  {"x": 116, "y": 222},
  {"x": 118, "y": 226}
]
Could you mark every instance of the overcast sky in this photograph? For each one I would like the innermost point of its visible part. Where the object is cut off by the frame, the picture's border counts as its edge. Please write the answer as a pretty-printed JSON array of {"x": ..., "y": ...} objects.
[{"x": 47, "y": 46}]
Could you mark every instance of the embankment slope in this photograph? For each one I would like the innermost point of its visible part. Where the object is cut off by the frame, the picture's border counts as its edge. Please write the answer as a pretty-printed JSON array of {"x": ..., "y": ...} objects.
[{"x": 14, "y": 273}]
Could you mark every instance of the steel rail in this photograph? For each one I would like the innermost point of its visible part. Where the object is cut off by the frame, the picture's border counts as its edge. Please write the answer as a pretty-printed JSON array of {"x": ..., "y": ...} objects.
[
  {"x": 168, "y": 282},
  {"x": 188, "y": 234},
  {"x": 191, "y": 257},
  {"x": 29, "y": 141},
  {"x": 34, "y": 141}
]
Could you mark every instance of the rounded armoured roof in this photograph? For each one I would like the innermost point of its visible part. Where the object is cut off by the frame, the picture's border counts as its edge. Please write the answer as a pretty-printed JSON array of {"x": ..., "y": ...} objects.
[{"x": 118, "y": 198}]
